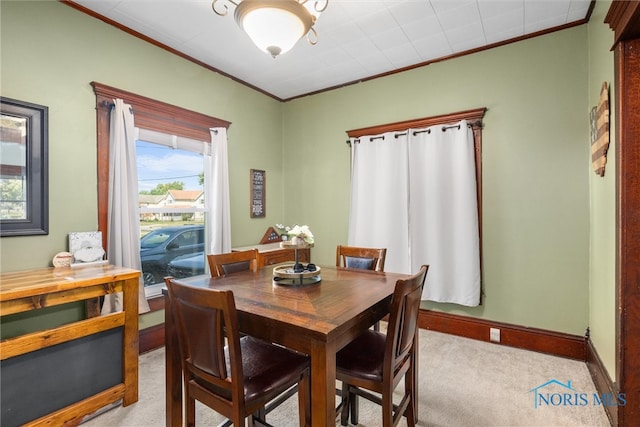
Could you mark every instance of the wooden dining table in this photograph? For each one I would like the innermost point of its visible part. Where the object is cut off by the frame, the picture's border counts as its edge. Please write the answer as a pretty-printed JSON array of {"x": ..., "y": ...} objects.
[{"x": 317, "y": 319}]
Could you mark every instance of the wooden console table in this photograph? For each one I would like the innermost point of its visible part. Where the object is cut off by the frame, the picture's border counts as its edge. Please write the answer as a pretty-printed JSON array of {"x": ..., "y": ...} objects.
[{"x": 87, "y": 340}]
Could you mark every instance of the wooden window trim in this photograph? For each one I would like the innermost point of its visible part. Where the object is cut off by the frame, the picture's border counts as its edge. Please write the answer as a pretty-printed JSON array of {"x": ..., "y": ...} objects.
[
  {"x": 473, "y": 117},
  {"x": 149, "y": 114},
  {"x": 623, "y": 18}
]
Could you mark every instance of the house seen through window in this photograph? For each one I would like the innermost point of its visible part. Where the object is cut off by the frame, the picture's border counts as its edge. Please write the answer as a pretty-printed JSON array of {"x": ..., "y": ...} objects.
[{"x": 172, "y": 212}]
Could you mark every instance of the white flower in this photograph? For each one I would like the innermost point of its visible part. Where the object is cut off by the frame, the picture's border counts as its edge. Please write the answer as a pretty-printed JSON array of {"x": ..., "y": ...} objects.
[{"x": 301, "y": 231}]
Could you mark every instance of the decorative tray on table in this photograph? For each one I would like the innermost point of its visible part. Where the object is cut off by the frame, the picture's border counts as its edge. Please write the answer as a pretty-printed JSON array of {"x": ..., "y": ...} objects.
[{"x": 287, "y": 274}]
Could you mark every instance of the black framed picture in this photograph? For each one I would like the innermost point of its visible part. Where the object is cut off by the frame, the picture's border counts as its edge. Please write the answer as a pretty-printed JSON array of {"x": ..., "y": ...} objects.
[{"x": 24, "y": 181}]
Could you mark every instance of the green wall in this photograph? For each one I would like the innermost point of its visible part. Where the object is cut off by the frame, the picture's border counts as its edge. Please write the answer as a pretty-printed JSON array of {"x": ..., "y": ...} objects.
[
  {"x": 534, "y": 156},
  {"x": 602, "y": 196},
  {"x": 50, "y": 53},
  {"x": 547, "y": 220}
]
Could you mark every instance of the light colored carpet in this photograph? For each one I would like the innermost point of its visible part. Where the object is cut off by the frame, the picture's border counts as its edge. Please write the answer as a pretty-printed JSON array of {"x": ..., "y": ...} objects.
[{"x": 463, "y": 382}]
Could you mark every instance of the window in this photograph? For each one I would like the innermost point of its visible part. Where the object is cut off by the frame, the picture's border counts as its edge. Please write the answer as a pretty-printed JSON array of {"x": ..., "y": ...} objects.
[
  {"x": 428, "y": 171},
  {"x": 157, "y": 121},
  {"x": 474, "y": 117},
  {"x": 172, "y": 211}
]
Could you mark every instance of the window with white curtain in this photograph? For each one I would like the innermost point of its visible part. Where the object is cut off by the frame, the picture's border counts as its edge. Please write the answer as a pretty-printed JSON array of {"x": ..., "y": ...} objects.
[
  {"x": 426, "y": 208},
  {"x": 166, "y": 120}
]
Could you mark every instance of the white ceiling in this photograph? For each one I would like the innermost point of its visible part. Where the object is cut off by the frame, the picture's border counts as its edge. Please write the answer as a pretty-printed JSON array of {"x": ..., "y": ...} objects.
[{"x": 357, "y": 39}]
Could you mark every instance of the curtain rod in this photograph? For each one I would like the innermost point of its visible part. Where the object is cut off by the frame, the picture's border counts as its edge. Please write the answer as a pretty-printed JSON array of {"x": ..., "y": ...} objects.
[
  {"x": 415, "y": 132},
  {"x": 110, "y": 105}
]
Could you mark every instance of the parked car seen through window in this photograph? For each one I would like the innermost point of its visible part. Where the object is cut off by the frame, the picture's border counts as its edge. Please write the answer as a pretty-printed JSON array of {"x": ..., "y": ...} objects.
[
  {"x": 187, "y": 265},
  {"x": 159, "y": 247}
]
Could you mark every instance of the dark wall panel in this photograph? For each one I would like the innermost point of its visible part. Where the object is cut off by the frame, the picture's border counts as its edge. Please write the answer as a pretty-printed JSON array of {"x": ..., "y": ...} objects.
[{"x": 43, "y": 381}]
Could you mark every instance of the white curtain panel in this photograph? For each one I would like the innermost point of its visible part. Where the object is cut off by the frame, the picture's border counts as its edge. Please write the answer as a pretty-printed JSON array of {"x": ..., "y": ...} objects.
[
  {"x": 379, "y": 198},
  {"x": 443, "y": 213},
  {"x": 216, "y": 176},
  {"x": 414, "y": 193},
  {"x": 123, "y": 221}
]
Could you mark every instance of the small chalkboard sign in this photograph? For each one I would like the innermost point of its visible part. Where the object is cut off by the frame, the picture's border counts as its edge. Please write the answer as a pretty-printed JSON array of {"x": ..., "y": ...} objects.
[{"x": 258, "y": 193}]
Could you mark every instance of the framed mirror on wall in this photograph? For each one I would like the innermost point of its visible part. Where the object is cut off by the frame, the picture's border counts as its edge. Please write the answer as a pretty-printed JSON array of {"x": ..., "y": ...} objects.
[{"x": 24, "y": 183}]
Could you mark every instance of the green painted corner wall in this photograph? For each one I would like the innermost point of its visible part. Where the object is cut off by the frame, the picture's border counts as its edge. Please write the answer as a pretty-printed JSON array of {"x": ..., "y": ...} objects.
[
  {"x": 602, "y": 201},
  {"x": 51, "y": 53},
  {"x": 547, "y": 221},
  {"x": 534, "y": 156}
]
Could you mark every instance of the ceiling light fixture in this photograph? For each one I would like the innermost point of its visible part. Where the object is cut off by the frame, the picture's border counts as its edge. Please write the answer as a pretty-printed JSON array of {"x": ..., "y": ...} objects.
[{"x": 275, "y": 26}]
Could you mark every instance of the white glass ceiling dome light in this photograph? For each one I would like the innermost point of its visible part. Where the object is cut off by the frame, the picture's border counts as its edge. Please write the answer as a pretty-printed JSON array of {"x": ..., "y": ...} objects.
[{"x": 275, "y": 26}]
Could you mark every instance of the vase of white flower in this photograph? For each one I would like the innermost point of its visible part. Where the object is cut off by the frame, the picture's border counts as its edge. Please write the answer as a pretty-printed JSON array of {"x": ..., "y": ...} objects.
[
  {"x": 298, "y": 237},
  {"x": 297, "y": 274}
]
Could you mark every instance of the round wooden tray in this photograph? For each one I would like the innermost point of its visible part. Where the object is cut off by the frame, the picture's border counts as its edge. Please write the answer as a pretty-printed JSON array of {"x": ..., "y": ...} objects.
[{"x": 284, "y": 275}]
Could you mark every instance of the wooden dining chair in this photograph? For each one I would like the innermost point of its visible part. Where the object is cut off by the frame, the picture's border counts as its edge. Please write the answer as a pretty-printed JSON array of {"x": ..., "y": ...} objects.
[
  {"x": 233, "y": 262},
  {"x": 245, "y": 377},
  {"x": 388, "y": 358},
  {"x": 362, "y": 258}
]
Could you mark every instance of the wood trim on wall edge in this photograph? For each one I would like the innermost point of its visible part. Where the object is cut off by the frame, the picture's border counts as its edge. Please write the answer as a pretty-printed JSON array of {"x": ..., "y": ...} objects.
[
  {"x": 602, "y": 381},
  {"x": 474, "y": 117},
  {"x": 176, "y": 52},
  {"x": 151, "y": 338},
  {"x": 533, "y": 339}
]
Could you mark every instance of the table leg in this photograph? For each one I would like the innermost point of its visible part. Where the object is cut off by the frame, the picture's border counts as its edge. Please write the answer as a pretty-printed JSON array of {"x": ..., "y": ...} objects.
[
  {"x": 323, "y": 385},
  {"x": 131, "y": 340},
  {"x": 173, "y": 371}
]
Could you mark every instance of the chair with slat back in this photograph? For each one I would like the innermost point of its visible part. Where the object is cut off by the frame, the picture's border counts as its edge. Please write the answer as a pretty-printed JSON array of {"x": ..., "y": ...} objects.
[
  {"x": 245, "y": 377},
  {"x": 389, "y": 358},
  {"x": 362, "y": 258},
  {"x": 233, "y": 262}
]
